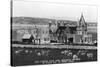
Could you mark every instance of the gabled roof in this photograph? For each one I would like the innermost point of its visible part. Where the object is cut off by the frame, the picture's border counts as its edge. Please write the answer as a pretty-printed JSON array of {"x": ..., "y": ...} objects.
[
  {"x": 82, "y": 21},
  {"x": 26, "y": 36}
]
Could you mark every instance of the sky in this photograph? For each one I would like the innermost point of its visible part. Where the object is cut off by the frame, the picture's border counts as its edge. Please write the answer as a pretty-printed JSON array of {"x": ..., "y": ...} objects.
[{"x": 54, "y": 10}]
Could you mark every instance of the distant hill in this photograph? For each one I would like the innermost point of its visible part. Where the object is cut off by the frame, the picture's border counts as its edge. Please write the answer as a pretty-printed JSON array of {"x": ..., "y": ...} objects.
[
  {"x": 92, "y": 26},
  {"x": 29, "y": 20}
]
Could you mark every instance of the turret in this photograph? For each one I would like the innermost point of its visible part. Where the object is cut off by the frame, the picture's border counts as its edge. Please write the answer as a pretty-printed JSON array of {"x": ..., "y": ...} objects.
[
  {"x": 50, "y": 23},
  {"x": 58, "y": 23},
  {"x": 82, "y": 22},
  {"x": 82, "y": 26}
]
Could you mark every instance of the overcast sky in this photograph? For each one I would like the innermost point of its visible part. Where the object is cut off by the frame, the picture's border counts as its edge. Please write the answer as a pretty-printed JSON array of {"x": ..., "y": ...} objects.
[{"x": 54, "y": 10}]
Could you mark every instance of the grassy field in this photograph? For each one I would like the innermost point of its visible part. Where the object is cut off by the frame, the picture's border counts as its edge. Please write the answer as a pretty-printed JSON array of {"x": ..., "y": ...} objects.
[{"x": 33, "y": 56}]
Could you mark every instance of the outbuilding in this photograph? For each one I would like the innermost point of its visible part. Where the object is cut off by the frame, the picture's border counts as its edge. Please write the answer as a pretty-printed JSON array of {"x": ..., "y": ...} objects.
[{"x": 27, "y": 38}]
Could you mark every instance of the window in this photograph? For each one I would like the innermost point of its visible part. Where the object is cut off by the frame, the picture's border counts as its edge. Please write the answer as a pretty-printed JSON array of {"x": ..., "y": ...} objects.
[
  {"x": 79, "y": 32},
  {"x": 46, "y": 39}
]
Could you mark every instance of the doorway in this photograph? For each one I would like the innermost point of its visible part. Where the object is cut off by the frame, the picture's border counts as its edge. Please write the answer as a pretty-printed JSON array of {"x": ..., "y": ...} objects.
[{"x": 70, "y": 40}]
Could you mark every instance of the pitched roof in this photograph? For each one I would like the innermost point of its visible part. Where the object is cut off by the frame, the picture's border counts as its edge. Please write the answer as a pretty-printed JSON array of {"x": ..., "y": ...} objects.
[
  {"x": 26, "y": 36},
  {"x": 82, "y": 20}
]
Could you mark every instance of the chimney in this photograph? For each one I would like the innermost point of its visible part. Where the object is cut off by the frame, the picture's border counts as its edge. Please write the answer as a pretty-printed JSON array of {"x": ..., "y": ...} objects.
[
  {"x": 58, "y": 23},
  {"x": 50, "y": 23}
]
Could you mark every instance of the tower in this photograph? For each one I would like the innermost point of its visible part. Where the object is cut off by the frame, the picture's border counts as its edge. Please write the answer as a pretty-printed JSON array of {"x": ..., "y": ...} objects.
[
  {"x": 82, "y": 31},
  {"x": 82, "y": 26},
  {"x": 50, "y": 23}
]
